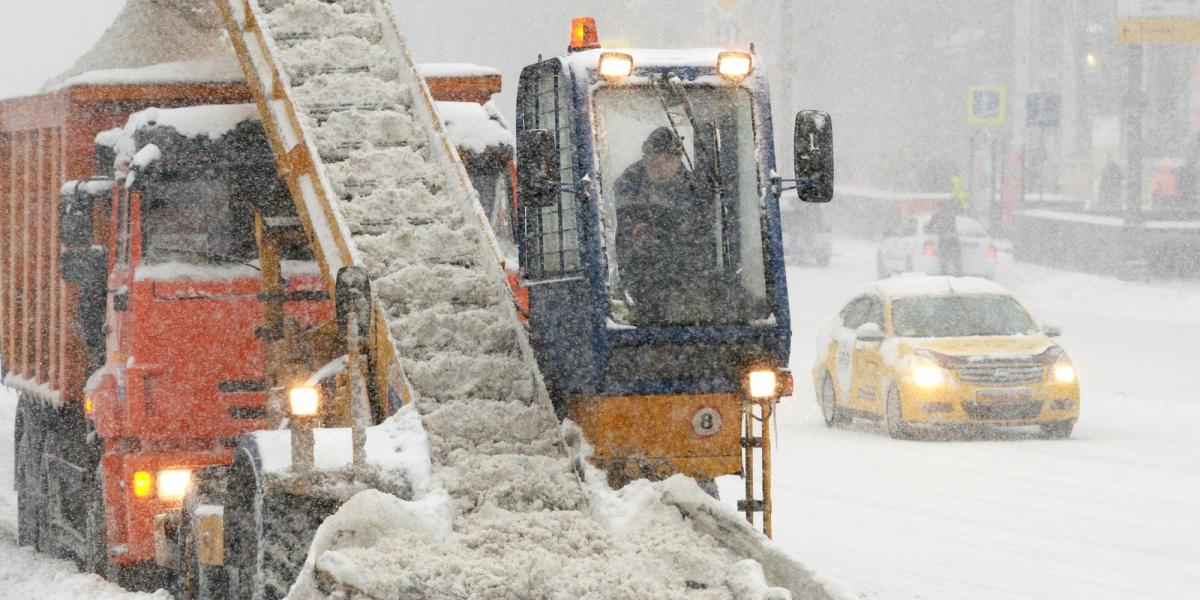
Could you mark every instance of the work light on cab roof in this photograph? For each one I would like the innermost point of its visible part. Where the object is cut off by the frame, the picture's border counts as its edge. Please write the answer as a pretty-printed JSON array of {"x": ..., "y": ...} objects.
[
  {"x": 615, "y": 65},
  {"x": 734, "y": 65}
]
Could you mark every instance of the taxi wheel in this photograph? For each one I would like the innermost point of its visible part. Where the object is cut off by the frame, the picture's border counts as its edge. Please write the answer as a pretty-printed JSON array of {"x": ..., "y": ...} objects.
[
  {"x": 1057, "y": 431},
  {"x": 834, "y": 417},
  {"x": 894, "y": 420}
]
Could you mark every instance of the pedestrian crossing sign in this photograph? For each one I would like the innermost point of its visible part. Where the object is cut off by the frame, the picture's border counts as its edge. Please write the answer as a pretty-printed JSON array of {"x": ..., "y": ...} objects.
[{"x": 985, "y": 105}]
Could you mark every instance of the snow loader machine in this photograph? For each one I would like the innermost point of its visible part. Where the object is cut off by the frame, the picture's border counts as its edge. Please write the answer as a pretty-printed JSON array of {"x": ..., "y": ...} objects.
[{"x": 303, "y": 301}]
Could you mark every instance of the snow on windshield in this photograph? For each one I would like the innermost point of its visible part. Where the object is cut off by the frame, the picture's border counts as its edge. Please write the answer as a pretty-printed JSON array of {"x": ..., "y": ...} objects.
[{"x": 959, "y": 316}]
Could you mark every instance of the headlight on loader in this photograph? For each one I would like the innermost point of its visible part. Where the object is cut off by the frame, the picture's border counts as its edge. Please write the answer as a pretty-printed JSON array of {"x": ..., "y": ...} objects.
[
  {"x": 172, "y": 484},
  {"x": 304, "y": 401},
  {"x": 763, "y": 383}
]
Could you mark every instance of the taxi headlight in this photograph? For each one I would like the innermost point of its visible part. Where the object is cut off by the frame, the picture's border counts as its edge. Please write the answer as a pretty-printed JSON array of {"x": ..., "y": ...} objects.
[
  {"x": 173, "y": 483},
  {"x": 927, "y": 374},
  {"x": 1064, "y": 373},
  {"x": 763, "y": 383}
]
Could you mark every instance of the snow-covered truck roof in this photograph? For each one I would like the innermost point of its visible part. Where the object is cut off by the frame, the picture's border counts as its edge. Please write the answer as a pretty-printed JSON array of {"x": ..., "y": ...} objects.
[{"x": 475, "y": 127}]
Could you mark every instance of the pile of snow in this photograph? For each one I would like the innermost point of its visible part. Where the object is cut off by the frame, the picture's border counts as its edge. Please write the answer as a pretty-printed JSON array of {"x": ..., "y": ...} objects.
[
  {"x": 216, "y": 69},
  {"x": 475, "y": 127},
  {"x": 153, "y": 32}
]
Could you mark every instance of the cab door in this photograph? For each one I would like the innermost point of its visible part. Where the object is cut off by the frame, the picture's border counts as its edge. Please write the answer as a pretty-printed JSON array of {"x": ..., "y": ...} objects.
[{"x": 868, "y": 364}]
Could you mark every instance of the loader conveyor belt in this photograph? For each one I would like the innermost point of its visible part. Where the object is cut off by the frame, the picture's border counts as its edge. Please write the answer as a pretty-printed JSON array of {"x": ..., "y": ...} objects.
[{"x": 378, "y": 185}]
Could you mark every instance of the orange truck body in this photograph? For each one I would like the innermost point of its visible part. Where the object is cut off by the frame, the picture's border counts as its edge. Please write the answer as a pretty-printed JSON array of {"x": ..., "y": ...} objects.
[
  {"x": 46, "y": 141},
  {"x": 183, "y": 378}
]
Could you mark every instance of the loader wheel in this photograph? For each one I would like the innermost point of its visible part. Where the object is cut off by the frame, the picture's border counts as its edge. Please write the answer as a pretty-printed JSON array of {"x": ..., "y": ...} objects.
[
  {"x": 28, "y": 452},
  {"x": 268, "y": 533},
  {"x": 834, "y": 417},
  {"x": 897, "y": 428}
]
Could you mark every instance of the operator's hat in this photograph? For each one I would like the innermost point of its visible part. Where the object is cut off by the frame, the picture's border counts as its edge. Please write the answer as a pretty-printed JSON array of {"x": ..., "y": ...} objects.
[{"x": 662, "y": 141}]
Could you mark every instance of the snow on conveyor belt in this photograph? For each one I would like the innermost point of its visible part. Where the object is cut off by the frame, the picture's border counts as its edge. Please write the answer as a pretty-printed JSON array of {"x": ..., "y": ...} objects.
[{"x": 516, "y": 520}]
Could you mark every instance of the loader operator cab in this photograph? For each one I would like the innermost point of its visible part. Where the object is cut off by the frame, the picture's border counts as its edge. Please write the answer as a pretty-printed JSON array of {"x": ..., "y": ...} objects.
[
  {"x": 650, "y": 246},
  {"x": 648, "y": 200}
]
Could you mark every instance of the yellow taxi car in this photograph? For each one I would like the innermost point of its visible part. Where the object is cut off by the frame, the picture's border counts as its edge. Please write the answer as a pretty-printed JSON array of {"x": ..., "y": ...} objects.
[{"x": 916, "y": 351}]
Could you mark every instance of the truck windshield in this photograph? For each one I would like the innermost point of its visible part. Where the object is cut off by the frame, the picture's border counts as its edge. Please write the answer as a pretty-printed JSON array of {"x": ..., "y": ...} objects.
[
  {"x": 958, "y": 316},
  {"x": 680, "y": 207},
  {"x": 196, "y": 221}
]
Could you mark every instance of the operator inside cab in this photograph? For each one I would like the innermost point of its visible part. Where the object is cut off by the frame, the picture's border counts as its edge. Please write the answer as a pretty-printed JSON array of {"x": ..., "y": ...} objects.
[
  {"x": 663, "y": 230},
  {"x": 681, "y": 213}
]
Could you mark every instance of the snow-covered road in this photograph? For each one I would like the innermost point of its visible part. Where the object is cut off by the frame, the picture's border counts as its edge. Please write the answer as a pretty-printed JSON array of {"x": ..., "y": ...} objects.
[{"x": 1112, "y": 513}]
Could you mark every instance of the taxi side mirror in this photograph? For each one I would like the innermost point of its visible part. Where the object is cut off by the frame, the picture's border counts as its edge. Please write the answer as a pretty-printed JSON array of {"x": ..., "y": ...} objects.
[
  {"x": 869, "y": 333},
  {"x": 537, "y": 168},
  {"x": 813, "y": 149},
  {"x": 1051, "y": 329}
]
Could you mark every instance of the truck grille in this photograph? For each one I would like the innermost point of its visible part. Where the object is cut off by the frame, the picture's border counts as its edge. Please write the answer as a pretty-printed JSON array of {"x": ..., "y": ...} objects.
[
  {"x": 1001, "y": 374},
  {"x": 1002, "y": 411}
]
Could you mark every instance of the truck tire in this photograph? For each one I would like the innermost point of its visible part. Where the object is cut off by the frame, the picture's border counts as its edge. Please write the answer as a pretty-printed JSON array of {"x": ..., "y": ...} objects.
[
  {"x": 94, "y": 557},
  {"x": 196, "y": 581},
  {"x": 268, "y": 532},
  {"x": 29, "y": 443}
]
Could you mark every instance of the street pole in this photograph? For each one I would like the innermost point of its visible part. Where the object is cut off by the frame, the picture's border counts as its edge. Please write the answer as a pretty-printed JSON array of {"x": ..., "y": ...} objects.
[{"x": 1133, "y": 134}]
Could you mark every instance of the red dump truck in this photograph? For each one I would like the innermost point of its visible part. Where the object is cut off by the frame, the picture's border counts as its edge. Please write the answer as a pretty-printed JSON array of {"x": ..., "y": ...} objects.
[
  {"x": 139, "y": 315},
  {"x": 134, "y": 361}
]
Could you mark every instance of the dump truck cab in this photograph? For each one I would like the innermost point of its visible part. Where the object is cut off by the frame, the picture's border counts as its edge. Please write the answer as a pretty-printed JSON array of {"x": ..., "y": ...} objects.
[
  {"x": 651, "y": 247},
  {"x": 183, "y": 372}
]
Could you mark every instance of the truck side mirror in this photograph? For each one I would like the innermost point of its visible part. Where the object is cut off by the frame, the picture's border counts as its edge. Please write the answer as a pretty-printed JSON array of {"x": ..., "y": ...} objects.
[
  {"x": 75, "y": 215},
  {"x": 84, "y": 265},
  {"x": 869, "y": 333},
  {"x": 537, "y": 168},
  {"x": 814, "y": 156}
]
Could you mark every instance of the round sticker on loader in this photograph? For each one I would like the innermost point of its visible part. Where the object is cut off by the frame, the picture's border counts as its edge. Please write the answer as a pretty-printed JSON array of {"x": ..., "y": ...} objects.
[{"x": 706, "y": 421}]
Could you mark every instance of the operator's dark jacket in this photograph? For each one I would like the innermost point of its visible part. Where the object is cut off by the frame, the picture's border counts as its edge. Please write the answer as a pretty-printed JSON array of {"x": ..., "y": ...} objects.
[{"x": 676, "y": 241}]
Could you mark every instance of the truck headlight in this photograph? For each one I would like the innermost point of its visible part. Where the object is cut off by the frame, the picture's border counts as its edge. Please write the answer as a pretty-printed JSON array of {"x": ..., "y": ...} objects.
[
  {"x": 927, "y": 374},
  {"x": 304, "y": 401},
  {"x": 1064, "y": 372},
  {"x": 763, "y": 383},
  {"x": 173, "y": 483}
]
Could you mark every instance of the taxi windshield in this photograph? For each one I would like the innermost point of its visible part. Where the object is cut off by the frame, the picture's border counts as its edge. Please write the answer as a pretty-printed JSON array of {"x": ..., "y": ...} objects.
[
  {"x": 680, "y": 208},
  {"x": 959, "y": 316}
]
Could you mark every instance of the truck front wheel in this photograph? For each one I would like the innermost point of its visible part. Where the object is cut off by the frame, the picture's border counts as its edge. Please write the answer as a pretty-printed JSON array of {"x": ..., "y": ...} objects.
[{"x": 29, "y": 445}]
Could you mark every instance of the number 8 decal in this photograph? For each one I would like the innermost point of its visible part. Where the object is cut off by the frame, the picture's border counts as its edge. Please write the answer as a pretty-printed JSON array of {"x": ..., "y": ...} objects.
[{"x": 706, "y": 421}]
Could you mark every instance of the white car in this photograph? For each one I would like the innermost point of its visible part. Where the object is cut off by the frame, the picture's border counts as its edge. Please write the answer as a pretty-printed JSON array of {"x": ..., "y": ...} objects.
[{"x": 908, "y": 248}]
